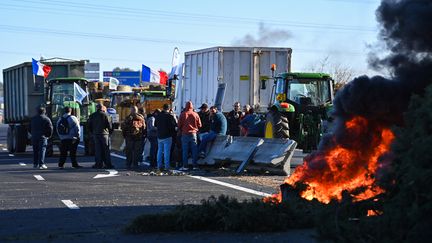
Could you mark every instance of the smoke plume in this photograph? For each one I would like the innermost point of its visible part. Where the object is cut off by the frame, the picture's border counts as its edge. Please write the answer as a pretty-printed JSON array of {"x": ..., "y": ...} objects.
[
  {"x": 406, "y": 30},
  {"x": 265, "y": 37}
]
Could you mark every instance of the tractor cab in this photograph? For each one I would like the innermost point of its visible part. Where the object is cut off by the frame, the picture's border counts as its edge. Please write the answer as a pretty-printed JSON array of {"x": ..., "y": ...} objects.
[{"x": 303, "y": 100}]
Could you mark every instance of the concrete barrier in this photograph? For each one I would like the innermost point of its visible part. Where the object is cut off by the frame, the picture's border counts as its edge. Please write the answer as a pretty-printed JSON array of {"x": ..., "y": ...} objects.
[{"x": 259, "y": 151}]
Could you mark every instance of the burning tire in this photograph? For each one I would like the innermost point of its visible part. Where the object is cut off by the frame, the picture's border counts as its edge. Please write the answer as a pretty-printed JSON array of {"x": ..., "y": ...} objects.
[{"x": 276, "y": 126}]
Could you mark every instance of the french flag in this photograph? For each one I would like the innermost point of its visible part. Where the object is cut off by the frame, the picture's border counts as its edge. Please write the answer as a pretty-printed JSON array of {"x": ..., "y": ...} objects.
[
  {"x": 40, "y": 69},
  {"x": 150, "y": 75}
]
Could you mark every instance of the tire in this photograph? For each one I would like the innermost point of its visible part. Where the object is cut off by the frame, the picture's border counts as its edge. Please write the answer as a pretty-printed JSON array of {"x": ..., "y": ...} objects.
[
  {"x": 276, "y": 126},
  {"x": 20, "y": 133},
  {"x": 10, "y": 139}
]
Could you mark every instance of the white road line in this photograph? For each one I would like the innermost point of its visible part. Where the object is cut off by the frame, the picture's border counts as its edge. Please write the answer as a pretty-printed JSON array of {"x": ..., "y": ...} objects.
[
  {"x": 39, "y": 177},
  {"x": 11, "y": 155},
  {"x": 22, "y": 164},
  {"x": 240, "y": 188},
  {"x": 4, "y": 149},
  {"x": 70, "y": 204},
  {"x": 117, "y": 156}
]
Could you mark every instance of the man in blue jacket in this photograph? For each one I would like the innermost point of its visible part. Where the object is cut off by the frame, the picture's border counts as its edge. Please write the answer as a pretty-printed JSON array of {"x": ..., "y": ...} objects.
[
  {"x": 41, "y": 129},
  {"x": 218, "y": 126}
]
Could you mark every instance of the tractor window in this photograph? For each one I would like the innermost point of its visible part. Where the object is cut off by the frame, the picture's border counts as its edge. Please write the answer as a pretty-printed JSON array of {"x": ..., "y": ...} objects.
[
  {"x": 311, "y": 92},
  {"x": 280, "y": 86},
  {"x": 62, "y": 92}
]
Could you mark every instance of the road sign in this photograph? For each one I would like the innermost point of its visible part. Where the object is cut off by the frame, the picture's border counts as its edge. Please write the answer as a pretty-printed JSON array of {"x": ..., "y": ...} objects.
[
  {"x": 91, "y": 71},
  {"x": 131, "y": 78}
]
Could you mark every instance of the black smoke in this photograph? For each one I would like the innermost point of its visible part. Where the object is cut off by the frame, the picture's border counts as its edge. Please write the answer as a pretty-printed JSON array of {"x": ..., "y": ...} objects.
[{"x": 406, "y": 32}]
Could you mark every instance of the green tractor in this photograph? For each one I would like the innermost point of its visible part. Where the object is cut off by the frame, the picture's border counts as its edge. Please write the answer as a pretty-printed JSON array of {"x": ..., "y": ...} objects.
[
  {"x": 62, "y": 92},
  {"x": 301, "y": 103}
]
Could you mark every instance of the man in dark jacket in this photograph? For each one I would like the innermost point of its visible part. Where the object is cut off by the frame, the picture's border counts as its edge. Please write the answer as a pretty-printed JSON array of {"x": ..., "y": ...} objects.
[
  {"x": 165, "y": 124},
  {"x": 133, "y": 132},
  {"x": 41, "y": 129},
  {"x": 99, "y": 126},
  {"x": 218, "y": 127},
  {"x": 69, "y": 137},
  {"x": 234, "y": 118},
  {"x": 204, "y": 115}
]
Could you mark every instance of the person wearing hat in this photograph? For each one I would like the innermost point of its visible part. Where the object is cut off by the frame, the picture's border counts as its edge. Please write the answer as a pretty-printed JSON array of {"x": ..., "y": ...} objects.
[
  {"x": 99, "y": 126},
  {"x": 204, "y": 115}
]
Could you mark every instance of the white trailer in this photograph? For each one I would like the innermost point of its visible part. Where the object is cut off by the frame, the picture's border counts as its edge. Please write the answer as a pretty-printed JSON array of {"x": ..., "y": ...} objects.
[{"x": 240, "y": 68}]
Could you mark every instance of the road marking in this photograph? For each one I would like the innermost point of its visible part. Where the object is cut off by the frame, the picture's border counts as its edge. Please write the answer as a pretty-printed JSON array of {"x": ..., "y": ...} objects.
[
  {"x": 4, "y": 149},
  {"x": 22, "y": 164},
  {"x": 117, "y": 156},
  {"x": 111, "y": 174},
  {"x": 11, "y": 155},
  {"x": 39, "y": 177},
  {"x": 70, "y": 204},
  {"x": 240, "y": 188}
]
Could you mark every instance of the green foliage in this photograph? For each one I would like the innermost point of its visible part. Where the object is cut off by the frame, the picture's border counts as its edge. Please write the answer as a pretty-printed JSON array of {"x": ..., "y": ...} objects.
[{"x": 228, "y": 214}]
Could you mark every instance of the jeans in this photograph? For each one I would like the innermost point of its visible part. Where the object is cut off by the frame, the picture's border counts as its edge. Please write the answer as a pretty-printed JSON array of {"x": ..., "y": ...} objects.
[
  {"x": 39, "y": 149},
  {"x": 102, "y": 150},
  {"x": 205, "y": 139},
  {"x": 153, "y": 150},
  {"x": 164, "y": 148},
  {"x": 189, "y": 141},
  {"x": 71, "y": 146}
]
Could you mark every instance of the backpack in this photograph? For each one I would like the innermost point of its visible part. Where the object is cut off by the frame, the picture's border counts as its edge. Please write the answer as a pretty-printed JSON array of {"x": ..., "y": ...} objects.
[{"x": 63, "y": 126}]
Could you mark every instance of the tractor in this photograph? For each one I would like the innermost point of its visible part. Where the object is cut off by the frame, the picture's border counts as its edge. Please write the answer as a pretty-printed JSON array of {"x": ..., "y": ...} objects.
[{"x": 300, "y": 108}]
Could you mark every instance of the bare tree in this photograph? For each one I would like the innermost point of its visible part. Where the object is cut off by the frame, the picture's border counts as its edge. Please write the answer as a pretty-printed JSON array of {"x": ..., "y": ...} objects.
[{"x": 340, "y": 73}]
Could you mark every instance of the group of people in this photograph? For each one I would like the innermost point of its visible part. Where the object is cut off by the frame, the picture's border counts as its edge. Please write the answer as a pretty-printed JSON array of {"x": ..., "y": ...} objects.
[{"x": 171, "y": 138}]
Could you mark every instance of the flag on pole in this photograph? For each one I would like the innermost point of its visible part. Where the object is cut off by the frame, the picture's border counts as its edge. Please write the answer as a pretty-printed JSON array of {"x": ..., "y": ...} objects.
[
  {"x": 40, "y": 69},
  {"x": 153, "y": 76},
  {"x": 113, "y": 83},
  {"x": 177, "y": 67},
  {"x": 79, "y": 93}
]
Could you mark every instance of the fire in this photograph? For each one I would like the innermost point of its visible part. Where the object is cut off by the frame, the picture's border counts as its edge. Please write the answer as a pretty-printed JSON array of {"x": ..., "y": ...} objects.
[{"x": 341, "y": 168}]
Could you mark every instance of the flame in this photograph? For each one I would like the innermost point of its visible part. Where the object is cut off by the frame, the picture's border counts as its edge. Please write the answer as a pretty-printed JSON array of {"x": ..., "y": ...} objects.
[
  {"x": 372, "y": 212},
  {"x": 330, "y": 172}
]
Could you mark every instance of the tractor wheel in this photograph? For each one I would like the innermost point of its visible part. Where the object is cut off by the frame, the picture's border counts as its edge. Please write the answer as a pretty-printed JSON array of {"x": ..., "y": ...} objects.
[
  {"x": 10, "y": 140},
  {"x": 276, "y": 125},
  {"x": 20, "y": 134}
]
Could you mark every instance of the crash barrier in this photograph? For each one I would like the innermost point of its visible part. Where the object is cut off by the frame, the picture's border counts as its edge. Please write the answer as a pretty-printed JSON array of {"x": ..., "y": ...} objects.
[{"x": 266, "y": 152}]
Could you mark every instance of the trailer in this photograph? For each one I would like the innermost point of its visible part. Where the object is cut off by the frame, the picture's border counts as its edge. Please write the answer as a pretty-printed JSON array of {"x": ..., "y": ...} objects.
[
  {"x": 24, "y": 92},
  {"x": 238, "y": 70}
]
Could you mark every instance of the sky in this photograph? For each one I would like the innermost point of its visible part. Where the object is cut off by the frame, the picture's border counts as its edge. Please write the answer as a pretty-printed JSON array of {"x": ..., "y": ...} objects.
[{"x": 129, "y": 33}]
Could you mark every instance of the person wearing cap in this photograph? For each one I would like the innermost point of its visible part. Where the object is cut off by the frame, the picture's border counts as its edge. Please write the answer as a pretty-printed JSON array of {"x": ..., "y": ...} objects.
[
  {"x": 189, "y": 125},
  {"x": 218, "y": 127},
  {"x": 166, "y": 125},
  {"x": 133, "y": 128},
  {"x": 234, "y": 118},
  {"x": 204, "y": 115},
  {"x": 69, "y": 138},
  {"x": 100, "y": 127}
]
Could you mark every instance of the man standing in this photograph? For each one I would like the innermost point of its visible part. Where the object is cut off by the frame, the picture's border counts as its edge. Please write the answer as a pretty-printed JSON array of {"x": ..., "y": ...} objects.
[
  {"x": 165, "y": 124},
  {"x": 218, "y": 127},
  {"x": 133, "y": 133},
  {"x": 41, "y": 129},
  {"x": 189, "y": 124},
  {"x": 152, "y": 137},
  {"x": 68, "y": 129},
  {"x": 100, "y": 127},
  {"x": 234, "y": 118}
]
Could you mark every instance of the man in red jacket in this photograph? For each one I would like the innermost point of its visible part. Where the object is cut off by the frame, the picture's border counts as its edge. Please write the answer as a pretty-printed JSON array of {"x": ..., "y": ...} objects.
[{"x": 189, "y": 124}]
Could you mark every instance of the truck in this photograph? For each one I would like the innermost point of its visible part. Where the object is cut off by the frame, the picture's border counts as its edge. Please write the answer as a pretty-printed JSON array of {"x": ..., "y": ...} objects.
[
  {"x": 301, "y": 108},
  {"x": 24, "y": 92},
  {"x": 238, "y": 70}
]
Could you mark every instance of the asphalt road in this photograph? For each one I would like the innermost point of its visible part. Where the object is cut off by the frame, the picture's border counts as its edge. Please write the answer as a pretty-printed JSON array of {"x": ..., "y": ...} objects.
[{"x": 71, "y": 205}]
